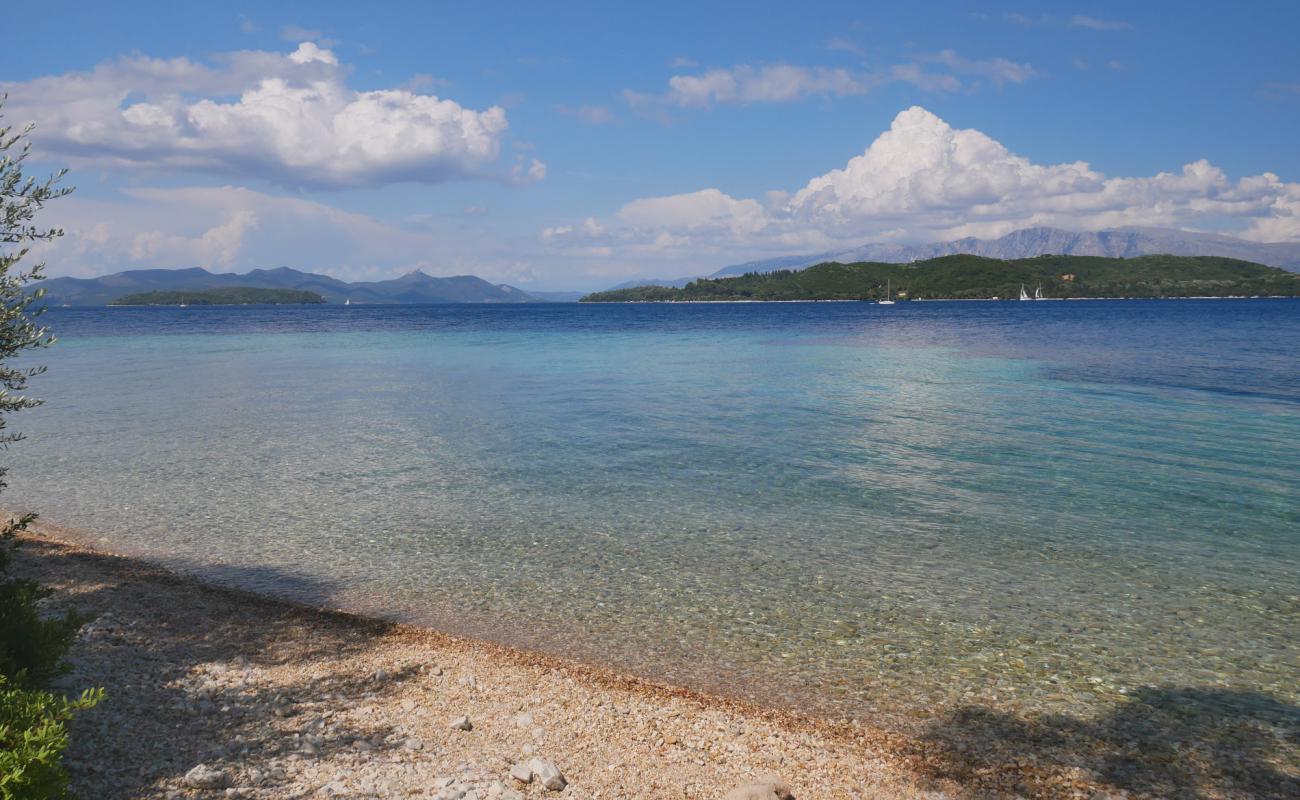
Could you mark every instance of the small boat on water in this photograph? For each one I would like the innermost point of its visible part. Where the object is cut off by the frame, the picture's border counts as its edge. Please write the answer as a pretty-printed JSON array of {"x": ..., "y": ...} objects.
[
  {"x": 1023, "y": 294},
  {"x": 347, "y": 302},
  {"x": 889, "y": 296},
  {"x": 1038, "y": 293}
]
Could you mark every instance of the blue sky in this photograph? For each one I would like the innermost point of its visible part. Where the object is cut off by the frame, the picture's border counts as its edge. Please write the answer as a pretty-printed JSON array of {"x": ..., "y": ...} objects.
[{"x": 575, "y": 145}]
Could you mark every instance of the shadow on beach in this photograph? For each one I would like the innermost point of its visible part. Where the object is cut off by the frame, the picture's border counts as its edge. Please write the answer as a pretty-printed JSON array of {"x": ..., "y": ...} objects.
[
  {"x": 1166, "y": 742},
  {"x": 176, "y": 698},
  {"x": 172, "y": 671}
]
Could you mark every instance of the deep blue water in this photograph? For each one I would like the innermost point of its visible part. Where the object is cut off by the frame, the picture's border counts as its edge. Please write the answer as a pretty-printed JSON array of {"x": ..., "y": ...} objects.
[{"x": 839, "y": 505}]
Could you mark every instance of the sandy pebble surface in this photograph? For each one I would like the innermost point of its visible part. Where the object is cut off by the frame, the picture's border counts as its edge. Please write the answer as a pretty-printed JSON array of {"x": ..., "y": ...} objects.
[
  {"x": 215, "y": 692},
  {"x": 278, "y": 700}
]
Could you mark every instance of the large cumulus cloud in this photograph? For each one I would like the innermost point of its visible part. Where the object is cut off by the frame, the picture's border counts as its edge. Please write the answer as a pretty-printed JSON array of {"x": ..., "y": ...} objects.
[
  {"x": 924, "y": 180},
  {"x": 290, "y": 119}
]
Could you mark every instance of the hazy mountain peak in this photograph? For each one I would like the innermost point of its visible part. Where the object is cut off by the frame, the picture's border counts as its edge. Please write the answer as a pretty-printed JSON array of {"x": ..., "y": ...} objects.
[
  {"x": 1127, "y": 242},
  {"x": 415, "y": 286}
]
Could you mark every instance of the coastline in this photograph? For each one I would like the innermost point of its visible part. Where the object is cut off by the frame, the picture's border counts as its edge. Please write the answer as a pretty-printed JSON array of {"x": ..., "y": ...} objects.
[
  {"x": 935, "y": 300},
  {"x": 286, "y": 700}
]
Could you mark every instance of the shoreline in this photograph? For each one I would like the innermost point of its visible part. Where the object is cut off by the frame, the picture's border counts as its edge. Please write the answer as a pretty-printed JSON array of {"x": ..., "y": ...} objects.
[
  {"x": 377, "y": 699},
  {"x": 287, "y": 699},
  {"x": 869, "y": 301}
]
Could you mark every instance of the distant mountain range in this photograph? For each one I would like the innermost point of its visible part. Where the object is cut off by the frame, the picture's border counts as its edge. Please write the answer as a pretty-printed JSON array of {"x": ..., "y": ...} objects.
[
  {"x": 413, "y": 287},
  {"x": 1111, "y": 243}
]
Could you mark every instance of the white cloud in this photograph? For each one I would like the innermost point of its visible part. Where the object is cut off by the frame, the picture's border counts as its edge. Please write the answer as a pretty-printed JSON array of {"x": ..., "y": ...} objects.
[
  {"x": 1093, "y": 23},
  {"x": 592, "y": 115},
  {"x": 923, "y": 180},
  {"x": 227, "y": 228},
  {"x": 999, "y": 71},
  {"x": 216, "y": 247},
  {"x": 845, "y": 45},
  {"x": 286, "y": 118},
  {"x": 744, "y": 84},
  {"x": 297, "y": 33}
]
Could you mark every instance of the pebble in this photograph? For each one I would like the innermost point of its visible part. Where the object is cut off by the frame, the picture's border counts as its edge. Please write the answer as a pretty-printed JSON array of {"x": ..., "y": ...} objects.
[
  {"x": 547, "y": 774},
  {"x": 522, "y": 773},
  {"x": 205, "y": 777},
  {"x": 766, "y": 789},
  {"x": 462, "y": 724}
]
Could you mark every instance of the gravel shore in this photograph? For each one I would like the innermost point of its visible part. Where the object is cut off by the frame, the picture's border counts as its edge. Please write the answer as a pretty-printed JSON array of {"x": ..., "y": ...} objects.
[
  {"x": 219, "y": 693},
  {"x": 214, "y": 692}
]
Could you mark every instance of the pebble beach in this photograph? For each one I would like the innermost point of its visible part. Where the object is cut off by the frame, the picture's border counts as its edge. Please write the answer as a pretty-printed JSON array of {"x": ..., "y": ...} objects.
[{"x": 219, "y": 693}]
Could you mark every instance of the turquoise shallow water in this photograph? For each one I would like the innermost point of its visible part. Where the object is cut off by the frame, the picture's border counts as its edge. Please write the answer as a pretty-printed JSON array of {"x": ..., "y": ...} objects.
[{"x": 867, "y": 511}]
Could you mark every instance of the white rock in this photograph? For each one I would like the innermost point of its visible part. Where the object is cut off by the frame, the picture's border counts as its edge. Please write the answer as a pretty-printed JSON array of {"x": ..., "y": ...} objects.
[
  {"x": 524, "y": 720},
  {"x": 766, "y": 789},
  {"x": 522, "y": 773},
  {"x": 204, "y": 777},
  {"x": 414, "y": 743},
  {"x": 462, "y": 724},
  {"x": 547, "y": 774}
]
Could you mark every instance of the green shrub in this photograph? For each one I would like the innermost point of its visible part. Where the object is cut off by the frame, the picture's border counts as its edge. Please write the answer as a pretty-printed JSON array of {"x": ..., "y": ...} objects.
[
  {"x": 33, "y": 736},
  {"x": 33, "y": 729},
  {"x": 32, "y": 648}
]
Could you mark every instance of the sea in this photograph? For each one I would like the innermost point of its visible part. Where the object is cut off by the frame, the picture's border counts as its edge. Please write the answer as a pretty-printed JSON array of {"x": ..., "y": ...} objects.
[{"x": 864, "y": 512}]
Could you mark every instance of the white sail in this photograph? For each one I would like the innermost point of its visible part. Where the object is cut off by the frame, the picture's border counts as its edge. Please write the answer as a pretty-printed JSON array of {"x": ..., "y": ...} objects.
[
  {"x": 1023, "y": 295},
  {"x": 1038, "y": 293}
]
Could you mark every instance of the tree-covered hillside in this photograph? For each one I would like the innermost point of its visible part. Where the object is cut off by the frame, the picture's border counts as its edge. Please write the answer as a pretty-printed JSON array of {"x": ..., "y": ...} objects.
[
  {"x": 229, "y": 296},
  {"x": 972, "y": 277}
]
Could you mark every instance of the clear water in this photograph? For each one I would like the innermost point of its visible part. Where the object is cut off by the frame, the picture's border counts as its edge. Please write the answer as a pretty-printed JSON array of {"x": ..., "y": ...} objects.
[{"x": 859, "y": 510}]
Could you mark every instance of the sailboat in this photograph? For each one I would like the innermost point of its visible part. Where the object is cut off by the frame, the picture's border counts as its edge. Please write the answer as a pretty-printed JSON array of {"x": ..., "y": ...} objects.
[
  {"x": 347, "y": 302},
  {"x": 888, "y": 301},
  {"x": 1023, "y": 296},
  {"x": 1038, "y": 293},
  {"x": 184, "y": 304}
]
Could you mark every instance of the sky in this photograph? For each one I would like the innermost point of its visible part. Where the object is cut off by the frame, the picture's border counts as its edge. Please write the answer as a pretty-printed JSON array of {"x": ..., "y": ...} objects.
[{"x": 573, "y": 146}]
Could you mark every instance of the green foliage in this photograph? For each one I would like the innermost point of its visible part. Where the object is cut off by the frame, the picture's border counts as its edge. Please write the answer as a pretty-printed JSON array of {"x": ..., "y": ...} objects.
[
  {"x": 227, "y": 296},
  {"x": 32, "y": 646},
  {"x": 33, "y": 736},
  {"x": 972, "y": 277},
  {"x": 33, "y": 733}
]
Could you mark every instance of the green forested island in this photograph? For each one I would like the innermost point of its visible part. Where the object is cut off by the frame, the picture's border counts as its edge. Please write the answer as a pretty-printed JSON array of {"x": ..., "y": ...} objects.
[
  {"x": 969, "y": 277},
  {"x": 229, "y": 296}
]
